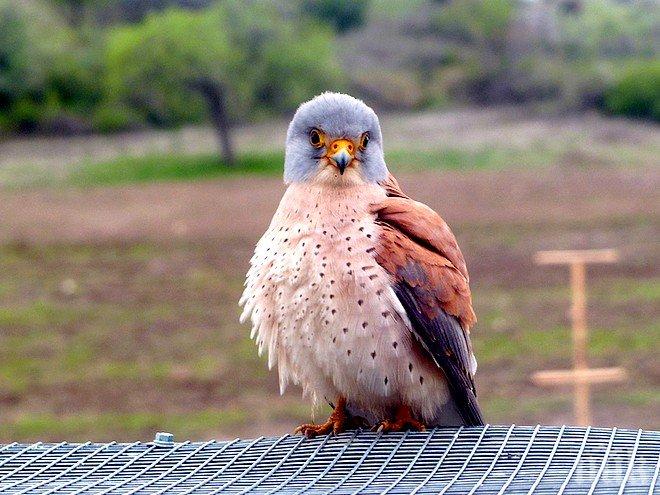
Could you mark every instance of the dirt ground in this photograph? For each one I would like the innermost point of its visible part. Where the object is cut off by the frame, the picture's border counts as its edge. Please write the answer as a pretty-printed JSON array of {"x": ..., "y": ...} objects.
[{"x": 118, "y": 312}]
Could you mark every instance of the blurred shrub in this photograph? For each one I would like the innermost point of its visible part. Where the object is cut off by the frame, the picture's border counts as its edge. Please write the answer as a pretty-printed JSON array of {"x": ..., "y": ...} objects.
[
  {"x": 501, "y": 51},
  {"x": 114, "y": 116},
  {"x": 637, "y": 92},
  {"x": 344, "y": 15},
  {"x": 391, "y": 89},
  {"x": 47, "y": 77}
]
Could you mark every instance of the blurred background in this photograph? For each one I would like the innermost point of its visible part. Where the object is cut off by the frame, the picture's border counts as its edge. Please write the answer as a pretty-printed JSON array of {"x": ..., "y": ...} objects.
[{"x": 141, "y": 149}]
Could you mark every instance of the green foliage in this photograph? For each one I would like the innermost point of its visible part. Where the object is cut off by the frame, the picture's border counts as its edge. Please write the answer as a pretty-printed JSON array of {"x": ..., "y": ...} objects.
[
  {"x": 263, "y": 61},
  {"x": 507, "y": 51},
  {"x": 344, "y": 15},
  {"x": 637, "y": 92},
  {"x": 483, "y": 22},
  {"x": 82, "y": 65},
  {"x": 149, "y": 65},
  {"x": 47, "y": 78},
  {"x": 607, "y": 29}
]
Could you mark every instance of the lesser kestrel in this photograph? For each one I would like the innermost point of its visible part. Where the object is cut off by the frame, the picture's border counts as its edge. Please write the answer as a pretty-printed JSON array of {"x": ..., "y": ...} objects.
[{"x": 357, "y": 292}]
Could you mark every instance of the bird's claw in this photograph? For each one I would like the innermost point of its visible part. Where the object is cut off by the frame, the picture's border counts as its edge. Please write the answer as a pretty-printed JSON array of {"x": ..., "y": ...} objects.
[
  {"x": 402, "y": 421},
  {"x": 388, "y": 426},
  {"x": 311, "y": 430},
  {"x": 338, "y": 422}
]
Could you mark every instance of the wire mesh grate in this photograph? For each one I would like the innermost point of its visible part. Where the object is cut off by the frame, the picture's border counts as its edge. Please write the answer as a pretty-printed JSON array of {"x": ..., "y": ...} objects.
[{"x": 490, "y": 460}]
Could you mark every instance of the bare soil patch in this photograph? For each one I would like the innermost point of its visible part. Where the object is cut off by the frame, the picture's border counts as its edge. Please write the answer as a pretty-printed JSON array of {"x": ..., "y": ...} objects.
[{"x": 146, "y": 336}]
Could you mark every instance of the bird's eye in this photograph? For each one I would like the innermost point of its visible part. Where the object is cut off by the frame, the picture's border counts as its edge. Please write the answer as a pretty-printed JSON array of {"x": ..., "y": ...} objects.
[
  {"x": 316, "y": 138},
  {"x": 364, "y": 141}
]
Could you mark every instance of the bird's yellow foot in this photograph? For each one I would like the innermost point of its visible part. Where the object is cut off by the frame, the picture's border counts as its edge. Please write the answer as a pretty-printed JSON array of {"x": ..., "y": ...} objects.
[
  {"x": 338, "y": 422},
  {"x": 403, "y": 420}
]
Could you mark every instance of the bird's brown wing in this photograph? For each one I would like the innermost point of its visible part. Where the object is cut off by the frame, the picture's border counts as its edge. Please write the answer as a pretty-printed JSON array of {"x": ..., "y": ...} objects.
[{"x": 430, "y": 280}]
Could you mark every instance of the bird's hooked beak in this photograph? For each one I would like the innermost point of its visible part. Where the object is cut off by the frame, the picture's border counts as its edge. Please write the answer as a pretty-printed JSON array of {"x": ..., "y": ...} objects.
[{"x": 341, "y": 152}]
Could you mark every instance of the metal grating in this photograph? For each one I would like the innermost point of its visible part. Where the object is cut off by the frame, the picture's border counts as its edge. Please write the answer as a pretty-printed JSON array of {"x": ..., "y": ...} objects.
[{"x": 490, "y": 460}]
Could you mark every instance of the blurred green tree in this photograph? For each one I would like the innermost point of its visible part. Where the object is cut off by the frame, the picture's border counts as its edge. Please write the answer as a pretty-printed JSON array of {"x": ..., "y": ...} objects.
[
  {"x": 480, "y": 28},
  {"x": 46, "y": 75},
  {"x": 76, "y": 11},
  {"x": 344, "y": 15},
  {"x": 243, "y": 59},
  {"x": 637, "y": 92}
]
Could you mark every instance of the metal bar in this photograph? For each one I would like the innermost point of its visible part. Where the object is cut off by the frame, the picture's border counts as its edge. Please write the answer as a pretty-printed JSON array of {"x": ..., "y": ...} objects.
[
  {"x": 170, "y": 470},
  {"x": 655, "y": 476},
  {"x": 274, "y": 468},
  {"x": 606, "y": 456},
  {"x": 329, "y": 466},
  {"x": 465, "y": 464},
  {"x": 437, "y": 464},
  {"x": 547, "y": 463},
  {"x": 122, "y": 468},
  {"x": 492, "y": 464},
  {"x": 67, "y": 470},
  {"x": 575, "y": 464},
  {"x": 46, "y": 467},
  {"x": 521, "y": 462},
  {"x": 225, "y": 467},
  {"x": 197, "y": 469},
  {"x": 19, "y": 453},
  {"x": 92, "y": 471},
  {"x": 357, "y": 464},
  {"x": 36, "y": 458},
  {"x": 302, "y": 466},
  {"x": 631, "y": 463},
  {"x": 256, "y": 461},
  {"x": 385, "y": 463},
  {"x": 7, "y": 447},
  {"x": 412, "y": 463},
  {"x": 144, "y": 470}
]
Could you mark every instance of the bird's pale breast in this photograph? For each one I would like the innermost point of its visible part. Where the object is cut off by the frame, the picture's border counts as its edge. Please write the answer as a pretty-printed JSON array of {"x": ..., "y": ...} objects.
[{"x": 324, "y": 309}]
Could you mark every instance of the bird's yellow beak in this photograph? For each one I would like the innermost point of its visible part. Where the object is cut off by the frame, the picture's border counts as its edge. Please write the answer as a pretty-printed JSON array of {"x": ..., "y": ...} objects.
[{"x": 341, "y": 152}]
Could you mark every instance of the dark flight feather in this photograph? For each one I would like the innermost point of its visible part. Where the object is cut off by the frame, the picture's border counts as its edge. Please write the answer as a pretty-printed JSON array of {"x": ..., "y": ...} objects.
[{"x": 430, "y": 279}]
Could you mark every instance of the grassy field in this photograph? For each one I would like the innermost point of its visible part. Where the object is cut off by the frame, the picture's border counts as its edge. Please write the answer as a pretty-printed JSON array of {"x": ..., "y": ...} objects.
[
  {"x": 118, "y": 303},
  {"x": 463, "y": 139}
]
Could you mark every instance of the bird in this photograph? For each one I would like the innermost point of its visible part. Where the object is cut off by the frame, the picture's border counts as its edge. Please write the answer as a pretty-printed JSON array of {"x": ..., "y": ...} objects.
[{"x": 357, "y": 293}]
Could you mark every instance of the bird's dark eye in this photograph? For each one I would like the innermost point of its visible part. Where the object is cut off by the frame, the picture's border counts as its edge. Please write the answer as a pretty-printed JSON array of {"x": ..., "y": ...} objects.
[
  {"x": 316, "y": 138},
  {"x": 364, "y": 141}
]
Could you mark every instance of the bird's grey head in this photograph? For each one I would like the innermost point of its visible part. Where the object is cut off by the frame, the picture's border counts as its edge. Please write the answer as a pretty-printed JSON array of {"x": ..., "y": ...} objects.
[{"x": 334, "y": 137}]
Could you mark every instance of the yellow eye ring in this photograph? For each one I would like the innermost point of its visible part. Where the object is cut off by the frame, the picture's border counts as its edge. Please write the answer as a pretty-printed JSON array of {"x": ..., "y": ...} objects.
[
  {"x": 364, "y": 140},
  {"x": 316, "y": 138}
]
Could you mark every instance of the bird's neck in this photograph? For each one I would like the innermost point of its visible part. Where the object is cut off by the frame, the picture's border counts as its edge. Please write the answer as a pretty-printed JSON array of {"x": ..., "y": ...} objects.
[{"x": 311, "y": 201}]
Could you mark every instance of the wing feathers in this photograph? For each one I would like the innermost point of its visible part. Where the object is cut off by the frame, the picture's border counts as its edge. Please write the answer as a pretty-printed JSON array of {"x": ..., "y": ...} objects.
[{"x": 430, "y": 279}]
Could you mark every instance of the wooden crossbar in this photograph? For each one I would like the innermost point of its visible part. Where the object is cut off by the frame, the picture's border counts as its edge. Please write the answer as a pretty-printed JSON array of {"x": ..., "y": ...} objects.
[
  {"x": 582, "y": 256},
  {"x": 589, "y": 375}
]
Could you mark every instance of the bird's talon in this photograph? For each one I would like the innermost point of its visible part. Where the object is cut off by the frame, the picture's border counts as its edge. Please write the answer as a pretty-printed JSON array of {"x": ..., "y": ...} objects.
[
  {"x": 403, "y": 420},
  {"x": 337, "y": 423}
]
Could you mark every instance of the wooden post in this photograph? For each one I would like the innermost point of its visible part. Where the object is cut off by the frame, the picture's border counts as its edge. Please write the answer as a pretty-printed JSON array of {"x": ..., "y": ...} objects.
[
  {"x": 581, "y": 376},
  {"x": 579, "y": 320}
]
